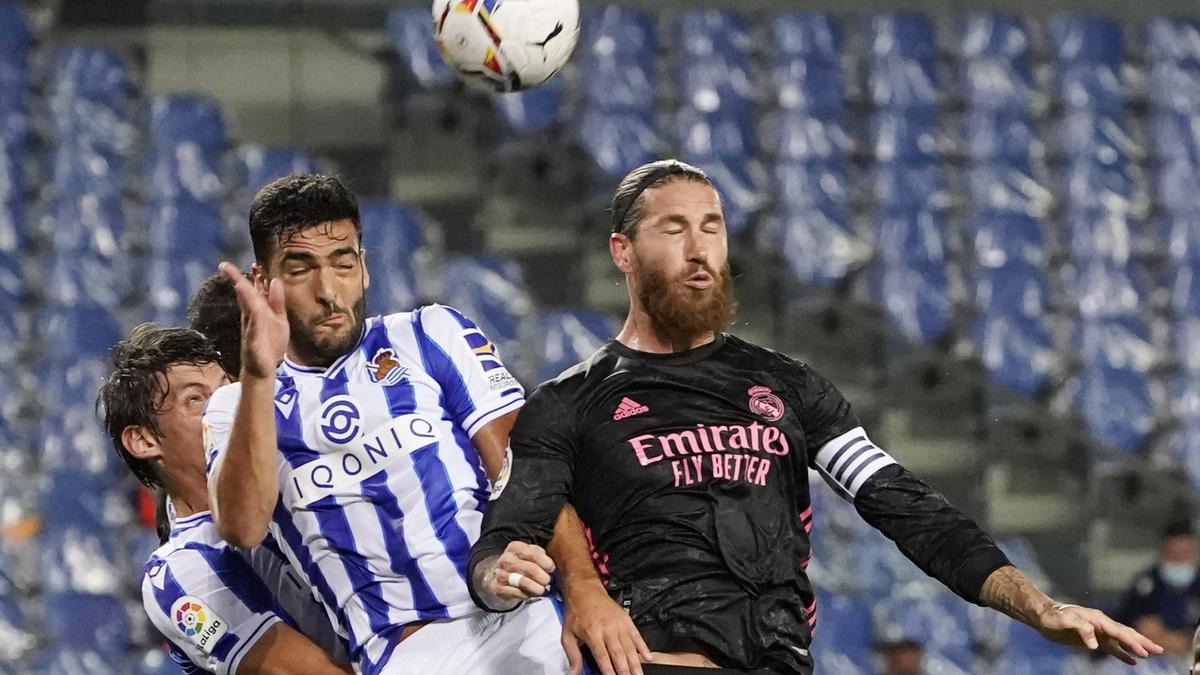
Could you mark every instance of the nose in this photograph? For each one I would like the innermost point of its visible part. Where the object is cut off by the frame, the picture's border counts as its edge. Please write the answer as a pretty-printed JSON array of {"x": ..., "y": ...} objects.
[
  {"x": 326, "y": 284},
  {"x": 696, "y": 248}
]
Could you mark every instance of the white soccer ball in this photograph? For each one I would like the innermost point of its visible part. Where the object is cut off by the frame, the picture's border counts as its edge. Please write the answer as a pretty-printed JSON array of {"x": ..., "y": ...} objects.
[{"x": 506, "y": 45}]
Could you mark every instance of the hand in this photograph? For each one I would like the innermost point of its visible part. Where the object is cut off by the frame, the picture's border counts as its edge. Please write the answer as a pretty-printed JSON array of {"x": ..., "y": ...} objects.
[
  {"x": 264, "y": 324},
  {"x": 1079, "y": 626},
  {"x": 592, "y": 617},
  {"x": 530, "y": 562}
]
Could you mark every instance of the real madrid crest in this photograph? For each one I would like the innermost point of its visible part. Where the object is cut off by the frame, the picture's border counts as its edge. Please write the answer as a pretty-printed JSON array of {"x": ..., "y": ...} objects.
[{"x": 765, "y": 404}]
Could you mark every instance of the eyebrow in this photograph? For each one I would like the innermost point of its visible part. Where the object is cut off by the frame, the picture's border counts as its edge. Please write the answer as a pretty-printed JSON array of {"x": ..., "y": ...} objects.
[
  {"x": 305, "y": 256},
  {"x": 681, "y": 219}
]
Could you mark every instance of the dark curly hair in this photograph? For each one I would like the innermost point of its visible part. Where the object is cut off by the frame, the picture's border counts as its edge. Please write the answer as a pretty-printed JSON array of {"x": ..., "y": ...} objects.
[
  {"x": 295, "y": 203},
  {"x": 214, "y": 312},
  {"x": 134, "y": 393}
]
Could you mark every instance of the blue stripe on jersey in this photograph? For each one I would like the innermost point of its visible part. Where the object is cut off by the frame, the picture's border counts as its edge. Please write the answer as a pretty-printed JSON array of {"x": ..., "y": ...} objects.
[
  {"x": 291, "y": 444},
  {"x": 463, "y": 321},
  {"x": 481, "y": 490},
  {"x": 183, "y": 661},
  {"x": 220, "y": 650},
  {"x": 236, "y": 574},
  {"x": 456, "y": 398},
  {"x": 439, "y": 500},
  {"x": 249, "y": 639},
  {"x": 336, "y": 527},
  {"x": 291, "y": 536},
  {"x": 401, "y": 400}
]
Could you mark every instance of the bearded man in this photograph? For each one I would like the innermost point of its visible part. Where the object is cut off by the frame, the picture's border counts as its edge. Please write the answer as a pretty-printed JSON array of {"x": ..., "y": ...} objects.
[{"x": 687, "y": 451}]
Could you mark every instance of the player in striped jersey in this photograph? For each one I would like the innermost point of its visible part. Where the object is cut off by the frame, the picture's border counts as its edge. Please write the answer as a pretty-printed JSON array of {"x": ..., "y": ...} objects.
[
  {"x": 362, "y": 444},
  {"x": 206, "y": 598}
]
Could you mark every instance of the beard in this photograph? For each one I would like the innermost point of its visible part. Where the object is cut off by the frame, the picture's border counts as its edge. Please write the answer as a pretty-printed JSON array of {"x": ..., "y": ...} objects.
[
  {"x": 681, "y": 315},
  {"x": 325, "y": 349}
]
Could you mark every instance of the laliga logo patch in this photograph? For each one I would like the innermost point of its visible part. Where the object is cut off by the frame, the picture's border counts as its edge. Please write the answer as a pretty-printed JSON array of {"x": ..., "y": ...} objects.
[
  {"x": 198, "y": 622},
  {"x": 385, "y": 369},
  {"x": 765, "y": 404},
  {"x": 502, "y": 480},
  {"x": 340, "y": 419}
]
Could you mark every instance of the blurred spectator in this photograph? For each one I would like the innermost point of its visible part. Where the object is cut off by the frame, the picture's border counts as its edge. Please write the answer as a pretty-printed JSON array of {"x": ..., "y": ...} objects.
[
  {"x": 901, "y": 657},
  {"x": 1164, "y": 602}
]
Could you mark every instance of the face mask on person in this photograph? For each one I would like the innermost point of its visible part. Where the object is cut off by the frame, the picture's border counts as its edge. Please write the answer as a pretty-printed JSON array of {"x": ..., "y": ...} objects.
[{"x": 1178, "y": 575}]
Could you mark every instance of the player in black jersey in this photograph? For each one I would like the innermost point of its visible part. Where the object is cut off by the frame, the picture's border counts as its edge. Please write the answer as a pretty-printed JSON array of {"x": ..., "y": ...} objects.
[{"x": 687, "y": 452}]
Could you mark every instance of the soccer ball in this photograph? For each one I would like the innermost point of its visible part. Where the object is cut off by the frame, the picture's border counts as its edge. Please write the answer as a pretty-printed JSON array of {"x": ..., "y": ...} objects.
[{"x": 506, "y": 45}]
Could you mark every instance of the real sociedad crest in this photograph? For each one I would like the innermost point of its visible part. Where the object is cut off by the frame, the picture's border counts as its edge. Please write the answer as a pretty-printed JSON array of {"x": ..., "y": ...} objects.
[{"x": 385, "y": 369}]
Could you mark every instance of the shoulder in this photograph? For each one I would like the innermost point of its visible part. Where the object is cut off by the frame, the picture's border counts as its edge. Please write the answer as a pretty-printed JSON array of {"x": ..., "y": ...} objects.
[
  {"x": 224, "y": 399},
  {"x": 765, "y": 358}
]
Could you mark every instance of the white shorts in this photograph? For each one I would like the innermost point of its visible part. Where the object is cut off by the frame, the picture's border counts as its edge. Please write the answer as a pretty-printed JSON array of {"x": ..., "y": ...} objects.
[{"x": 525, "y": 641}]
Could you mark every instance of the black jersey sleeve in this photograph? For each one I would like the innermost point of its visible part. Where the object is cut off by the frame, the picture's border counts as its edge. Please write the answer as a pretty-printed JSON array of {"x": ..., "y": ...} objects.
[
  {"x": 928, "y": 530},
  {"x": 525, "y": 504},
  {"x": 824, "y": 412}
]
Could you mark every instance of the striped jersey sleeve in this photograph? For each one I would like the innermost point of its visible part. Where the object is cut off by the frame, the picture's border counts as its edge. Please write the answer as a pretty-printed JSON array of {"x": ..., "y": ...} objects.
[
  {"x": 218, "y": 422},
  {"x": 477, "y": 386},
  {"x": 208, "y": 604}
]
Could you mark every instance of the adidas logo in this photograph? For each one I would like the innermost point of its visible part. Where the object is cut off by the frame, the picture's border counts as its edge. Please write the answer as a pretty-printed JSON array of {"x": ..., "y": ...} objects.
[{"x": 628, "y": 408}]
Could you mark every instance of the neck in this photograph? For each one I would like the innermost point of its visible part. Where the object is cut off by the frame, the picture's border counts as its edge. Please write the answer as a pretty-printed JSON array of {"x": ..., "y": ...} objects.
[
  {"x": 189, "y": 495},
  {"x": 307, "y": 361},
  {"x": 639, "y": 334}
]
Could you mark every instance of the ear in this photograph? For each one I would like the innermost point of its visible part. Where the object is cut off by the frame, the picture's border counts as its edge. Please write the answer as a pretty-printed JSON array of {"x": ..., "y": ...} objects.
[
  {"x": 362, "y": 260},
  {"x": 621, "y": 249},
  {"x": 140, "y": 443},
  {"x": 260, "y": 277}
]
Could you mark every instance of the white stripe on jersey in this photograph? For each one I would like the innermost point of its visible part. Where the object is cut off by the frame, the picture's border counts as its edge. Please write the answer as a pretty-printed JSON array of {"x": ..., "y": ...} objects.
[
  {"x": 389, "y": 546},
  {"x": 847, "y": 461}
]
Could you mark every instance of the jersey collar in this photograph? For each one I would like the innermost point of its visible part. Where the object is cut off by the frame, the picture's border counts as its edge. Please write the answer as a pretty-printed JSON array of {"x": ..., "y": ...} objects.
[{"x": 672, "y": 358}]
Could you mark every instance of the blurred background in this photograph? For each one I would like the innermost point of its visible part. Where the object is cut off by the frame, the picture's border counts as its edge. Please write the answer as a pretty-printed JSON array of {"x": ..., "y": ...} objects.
[{"x": 979, "y": 219}]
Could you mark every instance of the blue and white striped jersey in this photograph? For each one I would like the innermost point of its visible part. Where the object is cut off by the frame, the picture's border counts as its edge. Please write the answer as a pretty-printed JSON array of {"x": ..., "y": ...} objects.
[
  {"x": 382, "y": 492},
  {"x": 205, "y": 599}
]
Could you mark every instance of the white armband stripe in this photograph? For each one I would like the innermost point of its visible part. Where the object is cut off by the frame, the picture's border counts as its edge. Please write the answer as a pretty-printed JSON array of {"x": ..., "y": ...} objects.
[{"x": 850, "y": 460}]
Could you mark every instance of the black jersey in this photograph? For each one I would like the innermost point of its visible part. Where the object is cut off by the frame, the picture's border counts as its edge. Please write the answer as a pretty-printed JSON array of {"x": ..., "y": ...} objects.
[{"x": 691, "y": 472}]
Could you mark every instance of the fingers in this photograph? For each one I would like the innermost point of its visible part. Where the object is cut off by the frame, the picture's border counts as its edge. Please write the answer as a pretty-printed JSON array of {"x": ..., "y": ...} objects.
[
  {"x": 1109, "y": 645},
  {"x": 570, "y": 645},
  {"x": 1087, "y": 634},
  {"x": 275, "y": 297},
  {"x": 630, "y": 653},
  {"x": 531, "y": 553},
  {"x": 1128, "y": 638},
  {"x": 595, "y": 643},
  {"x": 636, "y": 635},
  {"x": 532, "y": 572}
]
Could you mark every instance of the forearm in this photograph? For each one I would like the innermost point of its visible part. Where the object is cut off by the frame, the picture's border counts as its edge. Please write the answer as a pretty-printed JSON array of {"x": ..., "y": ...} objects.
[
  {"x": 246, "y": 482},
  {"x": 571, "y": 553},
  {"x": 1010, "y": 592}
]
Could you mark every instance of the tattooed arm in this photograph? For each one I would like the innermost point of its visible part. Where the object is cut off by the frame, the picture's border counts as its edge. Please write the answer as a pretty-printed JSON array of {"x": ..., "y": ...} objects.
[{"x": 1010, "y": 592}]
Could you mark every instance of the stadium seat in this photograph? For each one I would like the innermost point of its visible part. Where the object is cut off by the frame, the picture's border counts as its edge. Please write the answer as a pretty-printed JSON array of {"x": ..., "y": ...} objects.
[
  {"x": 566, "y": 337},
  {"x": 1116, "y": 406},
  {"x": 156, "y": 661},
  {"x": 997, "y": 83},
  {"x": 533, "y": 110},
  {"x": 906, "y": 34},
  {"x": 702, "y": 33},
  {"x": 1000, "y": 238},
  {"x": 815, "y": 247},
  {"x": 1015, "y": 289},
  {"x": 1184, "y": 281},
  {"x": 15, "y": 32},
  {"x": 184, "y": 230},
  {"x": 1103, "y": 289},
  {"x": 85, "y": 224},
  {"x": 81, "y": 499},
  {"x": 104, "y": 130},
  {"x": 1077, "y": 38},
  {"x": 76, "y": 561},
  {"x": 1100, "y": 234},
  {"x": 616, "y": 49},
  {"x": 83, "y": 170},
  {"x": 713, "y": 84},
  {"x": 1086, "y": 183},
  {"x": 844, "y": 626},
  {"x": 901, "y": 72},
  {"x": 998, "y": 187},
  {"x": 1122, "y": 343},
  {"x": 185, "y": 175},
  {"x": 79, "y": 330},
  {"x": 71, "y": 383},
  {"x": 92, "y": 73},
  {"x": 170, "y": 283},
  {"x": 914, "y": 238},
  {"x": 14, "y": 228},
  {"x": 812, "y": 36},
  {"x": 940, "y": 621},
  {"x": 88, "y": 622},
  {"x": 898, "y": 186},
  {"x": 1175, "y": 137},
  {"x": 1099, "y": 138},
  {"x": 617, "y": 143},
  {"x": 992, "y": 35},
  {"x": 720, "y": 136},
  {"x": 63, "y": 660},
  {"x": 78, "y": 279},
  {"x": 822, "y": 186},
  {"x": 1017, "y": 352},
  {"x": 409, "y": 30},
  {"x": 1171, "y": 38},
  {"x": 1184, "y": 340},
  {"x": 181, "y": 118},
  {"x": 1175, "y": 86},
  {"x": 799, "y": 135},
  {"x": 393, "y": 239},
  {"x": 81, "y": 447},
  {"x": 1026, "y": 652},
  {"x": 1177, "y": 184},
  {"x": 805, "y": 84},
  {"x": 617, "y": 32},
  {"x": 490, "y": 291},
  {"x": 915, "y": 299},
  {"x": 739, "y": 182},
  {"x": 258, "y": 165},
  {"x": 1090, "y": 86},
  {"x": 1003, "y": 135},
  {"x": 907, "y": 136},
  {"x": 16, "y": 640}
]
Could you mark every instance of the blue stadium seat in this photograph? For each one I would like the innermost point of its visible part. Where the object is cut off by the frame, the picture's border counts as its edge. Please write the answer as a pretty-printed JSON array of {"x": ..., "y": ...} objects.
[
  {"x": 1184, "y": 282},
  {"x": 815, "y": 247},
  {"x": 1184, "y": 340},
  {"x": 170, "y": 283},
  {"x": 617, "y": 142},
  {"x": 82, "y": 447},
  {"x": 88, "y": 622},
  {"x": 182, "y": 118},
  {"x": 1000, "y": 238},
  {"x": 77, "y": 170},
  {"x": 901, "y": 70},
  {"x": 1098, "y": 233},
  {"x": 72, "y": 560},
  {"x": 1008, "y": 188},
  {"x": 184, "y": 175},
  {"x": 905, "y": 135},
  {"x": 739, "y": 181},
  {"x": 996, "y": 83},
  {"x": 1003, "y": 135},
  {"x": 76, "y": 498},
  {"x": 711, "y": 85},
  {"x": 718, "y": 135},
  {"x": 1104, "y": 289},
  {"x": 258, "y": 165},
  {"x": 72, "y": 383},
  {"x": 410, "y": 30},
  {"x": 940, "y": 621},
  {"x": 1116, "y": 406},
  {"x": 1175, "y": 86},
  {"x": 807, "y": 84},
  {"x": 1078, "y": 38},
  {"x": 618, "y": 33},
  {"x": 85, "y": 223},
  {"x": 566, "y": 337},
  {"x": 1086, "y": 183},
  {"x": 1172, "y": 38},
  {"x": 533, "y": 110},
  {"x": 822, "y": 186},
  {"x": 802, "y": 135},
  {"x": 1026, "y": 652},
  {"x": 87, "y": 124},
  {"x": 79, "y": 330},
  {"x": 844, "y": 626},
  {"x": 1015, "y": 289},
  {"x": 1122, "y": 343},
  {"x": 393, "y": 239},
  {"x": 908, "y": 187},
  {"x": 91, "y": 73},
  {"x": 18, "y": 640},
  {"x": 702, "y": 33},
  {"x": 915, "y": 299},
  {"x": 156, "y": 661},
  {"x": 1090, "y": 86},
  {"x": 15, "y": 33},
  {"x": 813, "y": 36},
  {"x": 14, "y": 228},
  {"x": 1096, "y": 137},
  {"x": 1017, "y": 352},
  {"x": 64, "y": 660},
  {"x": 1177, "y": 185},
  {"x": 992, "y": 35},
  {"x": 12, "y": 178},
  {"x": 1174, "y": 137},
  {"x": 916, "y": 238},
  {"x": 616, "y": 49},
  {"x": 613, "y": 85},
  {"x": 82, "y": 280},
  {"x": 490, "y": 291},
  {"x": 185, "y": 230}
]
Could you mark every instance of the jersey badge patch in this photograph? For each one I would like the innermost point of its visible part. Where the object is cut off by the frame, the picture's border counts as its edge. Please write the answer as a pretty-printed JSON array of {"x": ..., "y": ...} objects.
[
  {"x": 765, "y": 404},
  {"x": 198, "y": 622},
  {"x": 385, "y": 369}
]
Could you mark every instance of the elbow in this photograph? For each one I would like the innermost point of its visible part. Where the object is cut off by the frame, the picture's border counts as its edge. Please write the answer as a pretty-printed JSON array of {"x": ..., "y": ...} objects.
[{"x": 241, "y": 535}]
